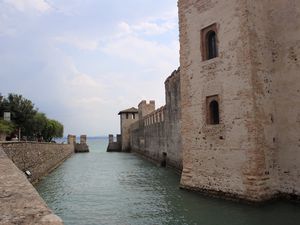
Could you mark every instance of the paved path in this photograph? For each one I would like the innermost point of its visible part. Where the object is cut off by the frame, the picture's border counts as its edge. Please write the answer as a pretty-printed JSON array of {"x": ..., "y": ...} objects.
[{"x": 19, "y": 201}]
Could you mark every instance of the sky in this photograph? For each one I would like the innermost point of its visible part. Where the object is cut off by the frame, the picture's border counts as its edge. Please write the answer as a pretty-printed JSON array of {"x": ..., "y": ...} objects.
[{"x": 83, "y": 61}]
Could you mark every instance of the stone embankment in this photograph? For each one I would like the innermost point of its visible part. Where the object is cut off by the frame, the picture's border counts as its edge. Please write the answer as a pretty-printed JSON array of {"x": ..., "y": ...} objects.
[
  {"x": 19, "y": 201},
  {"x": 25, "y": 162},
  {"x": 38, "y": 159}
]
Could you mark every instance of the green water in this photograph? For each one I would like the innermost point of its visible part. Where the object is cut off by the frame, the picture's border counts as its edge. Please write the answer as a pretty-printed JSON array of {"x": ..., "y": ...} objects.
[{"x": 115, "y": 188}]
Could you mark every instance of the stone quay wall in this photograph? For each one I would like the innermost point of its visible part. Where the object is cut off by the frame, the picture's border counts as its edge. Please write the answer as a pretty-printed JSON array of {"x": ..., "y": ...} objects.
[
  {"x": 156, "y": 135},
  {"x": 82, "y": 147},
  {"x": 19, "y": 201},
  {"x": 114, "y": 146},
  {"x": 38, "y": 158}
]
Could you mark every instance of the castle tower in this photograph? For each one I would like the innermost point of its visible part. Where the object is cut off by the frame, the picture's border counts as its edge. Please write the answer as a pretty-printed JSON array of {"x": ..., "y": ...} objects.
[
  {"x": 145, "y": 108},
  {"x": 239, "y": 61},
  {"x": 127, "y": 117}
]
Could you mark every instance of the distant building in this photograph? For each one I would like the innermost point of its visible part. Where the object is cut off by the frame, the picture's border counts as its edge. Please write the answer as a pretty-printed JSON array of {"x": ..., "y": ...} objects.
[{"x": 127, "y": 117}]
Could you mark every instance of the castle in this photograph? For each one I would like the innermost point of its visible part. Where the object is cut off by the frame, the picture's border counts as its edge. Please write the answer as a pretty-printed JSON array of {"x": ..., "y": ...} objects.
[{"x": 231, "y": 122}]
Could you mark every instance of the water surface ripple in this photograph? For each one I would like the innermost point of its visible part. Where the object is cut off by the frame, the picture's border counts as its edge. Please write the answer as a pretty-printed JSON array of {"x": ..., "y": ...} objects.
[{"x": 114, "y": 188}]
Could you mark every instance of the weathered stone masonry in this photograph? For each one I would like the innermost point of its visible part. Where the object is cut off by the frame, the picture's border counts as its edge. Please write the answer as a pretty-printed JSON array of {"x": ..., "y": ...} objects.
[
  {"x": 21, "y": 162},
  {"x": 253, "y": 153},
  {"x": 156, "y": 133},
  {"x": 19, "y": 201},
  {"x": 38, "y": 158},
  {"x": 233, "y": 123}
]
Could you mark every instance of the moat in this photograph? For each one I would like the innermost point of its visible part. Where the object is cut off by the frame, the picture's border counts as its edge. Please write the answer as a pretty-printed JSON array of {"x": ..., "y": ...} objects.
[{"x": 115, "y": 188}]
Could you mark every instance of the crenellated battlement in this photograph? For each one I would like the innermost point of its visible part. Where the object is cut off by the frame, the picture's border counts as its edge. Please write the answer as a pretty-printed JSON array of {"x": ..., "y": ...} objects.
[
  {"x": 145, "y": 108},
  {"x": 155, "y": 117},
  {"x": 155, "y": 132},
  {"x": 114, "y": 146},
  {"x": 80, "y": 147}
]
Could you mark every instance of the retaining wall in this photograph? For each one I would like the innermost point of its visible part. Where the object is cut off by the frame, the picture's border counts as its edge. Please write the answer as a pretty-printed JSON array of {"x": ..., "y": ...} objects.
[
  {"x": 19, "y": 201},
  {"x": 38, "y": 158}
]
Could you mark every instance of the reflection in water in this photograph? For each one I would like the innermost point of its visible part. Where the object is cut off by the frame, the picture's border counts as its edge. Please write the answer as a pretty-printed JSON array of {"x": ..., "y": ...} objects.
[{"x": 115, "y": 188}]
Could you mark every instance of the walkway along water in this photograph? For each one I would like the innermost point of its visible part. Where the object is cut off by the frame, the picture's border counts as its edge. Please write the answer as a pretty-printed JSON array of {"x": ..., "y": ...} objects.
[{"x": 119, "y": 188}]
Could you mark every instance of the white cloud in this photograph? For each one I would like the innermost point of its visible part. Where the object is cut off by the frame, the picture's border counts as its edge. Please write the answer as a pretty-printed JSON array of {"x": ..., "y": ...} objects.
[
  {"x": 152, "y": 26},
  {"x": 90, "y": 101},
  {"x": 7, "y": 31},
  {"x": 83, "y": 80},
  {"x": 120, "y": 65},
  {"x": 124, "y": 28},
  {"x": 155, "y": 58},
  {"x": 80, "y": 43},
  {"x": 143, "y": 52},
  {"x": 131, "y": 43},
  {"x": 5, "y": 28},
  {"x": 24, "y": 5}
]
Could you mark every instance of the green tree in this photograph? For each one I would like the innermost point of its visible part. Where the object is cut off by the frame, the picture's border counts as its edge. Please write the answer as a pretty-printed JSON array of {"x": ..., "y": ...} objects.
[
  {"x": 33, "y": 124},
  {"x": 37, "y": 126},
  {"x": 22, "y": 111},
  {"x": 1, "y": 105},
  {"x": 53, "y": 129},
  {"x": 6, "y": 127}
]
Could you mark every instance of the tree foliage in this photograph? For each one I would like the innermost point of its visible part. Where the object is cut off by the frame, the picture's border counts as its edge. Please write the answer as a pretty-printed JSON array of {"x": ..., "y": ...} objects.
[
  {"x": 53, "y": 129},
  {"x": 6, "y": 127},
  {"x": 22, "y": 111},
  {"x": 33, "y": 124}
]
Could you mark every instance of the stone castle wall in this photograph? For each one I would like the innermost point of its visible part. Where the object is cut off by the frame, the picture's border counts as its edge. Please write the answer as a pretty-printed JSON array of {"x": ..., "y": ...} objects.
[
  {"x": 246, "y": 144},
  {"x": 38, "y": 158},
  {"x": 157, "y": 133},
  {"x": 215, "y": 156},
  {"x": 283, "y": 42},
  {"x": 148, "y": 136},
  {"x": 253, "y": 153}
]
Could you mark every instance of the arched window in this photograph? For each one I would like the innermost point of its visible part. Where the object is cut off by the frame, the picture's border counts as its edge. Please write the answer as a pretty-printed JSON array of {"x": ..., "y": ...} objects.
[
  {"x": 211, "y": 45},
  {"x": 214, "y": 112},
  {"x": 209, "y": 42}
]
